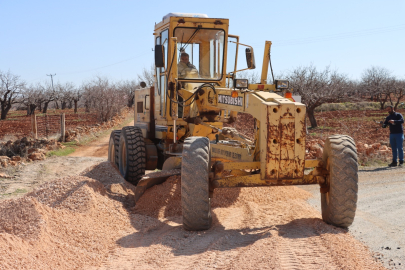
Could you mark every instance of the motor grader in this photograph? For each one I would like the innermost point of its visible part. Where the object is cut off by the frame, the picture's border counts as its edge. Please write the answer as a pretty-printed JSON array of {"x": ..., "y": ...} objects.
[{"x": 179, "y": 127}]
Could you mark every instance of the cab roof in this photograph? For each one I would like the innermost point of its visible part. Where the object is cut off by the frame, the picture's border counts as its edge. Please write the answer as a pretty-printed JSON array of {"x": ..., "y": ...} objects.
[{"x": 189, "y": 15}]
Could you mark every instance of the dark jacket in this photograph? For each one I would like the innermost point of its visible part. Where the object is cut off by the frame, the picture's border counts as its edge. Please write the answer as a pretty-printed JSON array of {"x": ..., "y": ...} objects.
[{"x": 395, "y": 128}]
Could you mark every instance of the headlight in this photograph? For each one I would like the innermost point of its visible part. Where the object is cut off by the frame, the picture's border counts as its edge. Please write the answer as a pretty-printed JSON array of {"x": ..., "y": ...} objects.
[
  {"x": 282, "y": 84},
  {"x": 240, "y": 83}
]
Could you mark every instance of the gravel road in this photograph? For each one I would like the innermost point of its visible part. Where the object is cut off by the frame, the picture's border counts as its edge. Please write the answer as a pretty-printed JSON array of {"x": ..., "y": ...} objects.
[
  {"x": 380, "y": 216},
  {"x": 29, "y": 176},
  {"x": 253, "y": 228}
]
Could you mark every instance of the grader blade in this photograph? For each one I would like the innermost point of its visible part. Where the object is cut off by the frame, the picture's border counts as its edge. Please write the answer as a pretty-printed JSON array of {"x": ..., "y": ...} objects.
[{"x": 152, "y": 179}]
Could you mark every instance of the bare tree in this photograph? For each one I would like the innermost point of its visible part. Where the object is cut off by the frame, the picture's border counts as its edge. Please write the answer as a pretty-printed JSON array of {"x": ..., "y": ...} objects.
[
  {"x": 48, "y": 95},
  {"x": 316, "y": 87},
  {"x": 76, "y": 96},
  {"x": 37, "y": 96},
  {"x": 398, "y": 92},
  {"x": 250, "y": 75},
  {"x": 105, "y": 97},
  {"x": 129, "y": 87},
  {"x": 64, "y": 93},
  {"x": 147, "y": 76},
  {"x": 352, "y": 92},
  {"x": 378, "y": 83},
  {"x": 87, "y": 96},
  {"x": 10, "y": 87},
  {"x": 31, "y": 97}
]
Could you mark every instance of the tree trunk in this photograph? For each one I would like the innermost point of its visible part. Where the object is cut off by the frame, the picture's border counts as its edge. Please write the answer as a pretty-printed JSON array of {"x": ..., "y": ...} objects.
[
  {"x": 70, "y": 106},
  {"x": 311, "y": 116},
  {"x": 398, "y": 95},
  {"x": 57, "y": 105},
  {"x": 130, "y": 102},
  {"x": 383, "y": 101},
  {"x": 3, "y": 114},
  {"x": 382, "y": 105},
  {"x": 75, "y": 106},
  {"x": 45, "y": 107},
  {"x": 86, "y": 106},
  {"x": 63, "y": 105},
  {"x": 32, "y": 108},
  {"x": 4, "y": 111}
]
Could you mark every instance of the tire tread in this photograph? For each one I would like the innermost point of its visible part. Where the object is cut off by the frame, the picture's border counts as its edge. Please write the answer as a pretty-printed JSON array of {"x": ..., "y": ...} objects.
[
  {"x": 136, "y": 154},
  {"x": 343, "y": 178},
  {"x": 195, "y": 184}
]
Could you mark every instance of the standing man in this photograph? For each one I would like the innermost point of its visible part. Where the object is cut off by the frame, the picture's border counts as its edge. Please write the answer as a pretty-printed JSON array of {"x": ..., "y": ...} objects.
[{"x": 395, "y": 121}]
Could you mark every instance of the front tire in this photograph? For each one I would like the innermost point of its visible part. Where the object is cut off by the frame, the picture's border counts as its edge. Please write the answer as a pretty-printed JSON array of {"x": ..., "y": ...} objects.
[
  {"x": 132, "y": 154},
  {"x": 195, "y": 199},
  {"x": 339, "y": 203}
]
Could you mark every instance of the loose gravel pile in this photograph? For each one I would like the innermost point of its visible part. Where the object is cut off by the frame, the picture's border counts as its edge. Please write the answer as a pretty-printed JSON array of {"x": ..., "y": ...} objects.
[
  {"x": 165, "y": 200},
  {"x": 68, "y": 223},
  {"x": 90, "y": 221}
]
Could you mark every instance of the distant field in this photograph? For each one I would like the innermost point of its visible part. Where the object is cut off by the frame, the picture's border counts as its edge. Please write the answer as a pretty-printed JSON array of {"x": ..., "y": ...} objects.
[
  {"x": 18, "y": 124},
  {"x": 349, "y": 106}
]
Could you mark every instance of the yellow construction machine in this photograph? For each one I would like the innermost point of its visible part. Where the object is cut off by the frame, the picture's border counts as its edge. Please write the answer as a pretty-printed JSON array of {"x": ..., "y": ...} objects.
[{"x": 179, "y": 127}]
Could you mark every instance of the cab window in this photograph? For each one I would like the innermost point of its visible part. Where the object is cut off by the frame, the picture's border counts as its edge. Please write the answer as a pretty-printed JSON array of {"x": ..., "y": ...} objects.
[{"x": 205, "y": 51}]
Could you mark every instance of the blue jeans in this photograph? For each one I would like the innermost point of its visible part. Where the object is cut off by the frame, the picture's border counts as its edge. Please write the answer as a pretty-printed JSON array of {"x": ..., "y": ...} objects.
[{"x": 396, "y": 141}]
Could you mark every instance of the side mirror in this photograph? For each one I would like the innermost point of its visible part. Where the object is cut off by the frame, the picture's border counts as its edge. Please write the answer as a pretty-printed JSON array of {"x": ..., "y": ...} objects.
[
  {"x": 250, "y": 58},
  {"x": 159, "y": 56}
]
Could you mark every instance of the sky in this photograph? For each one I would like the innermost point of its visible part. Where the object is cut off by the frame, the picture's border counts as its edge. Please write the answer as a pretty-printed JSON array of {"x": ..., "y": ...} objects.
[{"x": 78, "y": 40}]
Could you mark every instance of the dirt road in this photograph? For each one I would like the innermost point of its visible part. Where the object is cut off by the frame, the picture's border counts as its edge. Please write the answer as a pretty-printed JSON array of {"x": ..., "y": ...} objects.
[
  {"x": 90, "y": 222},
  {"x": 97, "y": 148},
  {"x": 253, "y": 228},
  {"x": 32, "y": 175},
  {"x": 380, "y": 216}
]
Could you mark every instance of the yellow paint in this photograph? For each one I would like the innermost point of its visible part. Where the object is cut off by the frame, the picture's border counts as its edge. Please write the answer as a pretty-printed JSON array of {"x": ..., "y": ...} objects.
[
  {"x": 241, "y": 165},
  {"x": 254, "y": 180},
  {"x": 311, "y": 163},
  {"x": 279, "y": 147},
  {"x": 266, "y": 61}
]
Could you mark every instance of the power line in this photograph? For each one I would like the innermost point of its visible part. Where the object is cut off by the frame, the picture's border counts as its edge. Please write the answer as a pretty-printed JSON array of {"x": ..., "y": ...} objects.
[
  {"x": 345, "y": 35},
  {"x": 75, "y": 72},
  {"x": 341, "y": 35}
]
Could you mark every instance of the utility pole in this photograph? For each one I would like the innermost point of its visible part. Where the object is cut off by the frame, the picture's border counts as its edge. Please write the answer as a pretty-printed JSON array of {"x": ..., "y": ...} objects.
[
  {"x": 53, "y": 89},
  {"x": 52, "y": 80}
]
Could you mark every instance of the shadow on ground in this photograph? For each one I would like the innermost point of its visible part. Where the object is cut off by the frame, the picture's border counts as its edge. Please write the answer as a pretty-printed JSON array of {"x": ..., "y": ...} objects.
[
  {"x": 162, "y": 225},
  {"x": 185, "y": 243}
]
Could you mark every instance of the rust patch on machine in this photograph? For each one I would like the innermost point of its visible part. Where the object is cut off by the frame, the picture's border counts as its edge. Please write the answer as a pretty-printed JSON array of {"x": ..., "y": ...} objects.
[
  {"x": 282, "y": 162},
  {"x": 272, "y": 152},
  {"x": 287, "y": 147}
]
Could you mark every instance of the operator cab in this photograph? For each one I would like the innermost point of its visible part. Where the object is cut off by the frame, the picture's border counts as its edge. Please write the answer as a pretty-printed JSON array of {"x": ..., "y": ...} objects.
[{"x": 202, "y": 38}]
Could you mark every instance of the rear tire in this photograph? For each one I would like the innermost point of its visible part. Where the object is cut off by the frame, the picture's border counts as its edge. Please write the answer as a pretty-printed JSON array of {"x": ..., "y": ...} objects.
[
  {"x": 340, "y": 202},
  {"x": 132, "y": 154},
  {"x": 113, "y": 147},
  {"x": 195, "y": 199}
]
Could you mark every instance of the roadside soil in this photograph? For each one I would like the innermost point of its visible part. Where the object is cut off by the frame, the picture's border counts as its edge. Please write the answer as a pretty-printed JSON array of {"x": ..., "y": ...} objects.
[
  {"x": 86, "y": 219},
  {"x": 380, "y": 215}
]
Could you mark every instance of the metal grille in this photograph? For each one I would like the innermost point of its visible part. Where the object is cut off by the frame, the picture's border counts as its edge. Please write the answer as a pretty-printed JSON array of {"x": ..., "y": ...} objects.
[{"x": 48, "y": 125}]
